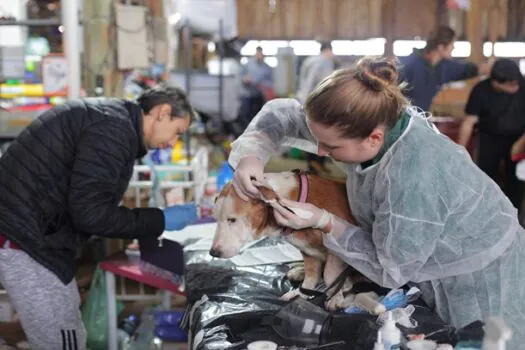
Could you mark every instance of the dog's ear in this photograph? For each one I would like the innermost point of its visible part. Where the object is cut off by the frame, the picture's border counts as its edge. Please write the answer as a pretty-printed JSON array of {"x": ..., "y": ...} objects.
[{"x": 266, "y": 191}]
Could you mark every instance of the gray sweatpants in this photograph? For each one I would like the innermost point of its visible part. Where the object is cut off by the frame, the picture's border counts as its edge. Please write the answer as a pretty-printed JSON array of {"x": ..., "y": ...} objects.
[{"x": 48, "y": 309}]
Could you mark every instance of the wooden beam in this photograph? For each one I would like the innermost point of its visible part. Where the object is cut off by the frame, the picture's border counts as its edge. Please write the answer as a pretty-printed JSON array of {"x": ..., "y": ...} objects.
[
  {"x": 475, "y": 30},
  {"x": 389, "y": 20}
]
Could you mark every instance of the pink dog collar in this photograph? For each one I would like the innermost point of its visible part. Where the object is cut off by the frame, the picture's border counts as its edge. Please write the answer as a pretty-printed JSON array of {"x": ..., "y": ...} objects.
[{"x": 303, "y": 196}]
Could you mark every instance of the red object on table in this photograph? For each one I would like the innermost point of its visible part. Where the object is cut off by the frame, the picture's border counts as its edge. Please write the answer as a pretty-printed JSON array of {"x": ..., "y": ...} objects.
[
  {"x": 125, "y": 268},
  {"x": 30, "y": 108},
  {"x": 518, "y": 157},
  {"x": 12, "y": 245}
]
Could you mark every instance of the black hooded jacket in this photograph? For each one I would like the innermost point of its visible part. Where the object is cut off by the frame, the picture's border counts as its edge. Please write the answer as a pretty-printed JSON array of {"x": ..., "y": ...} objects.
[{"x": 63, "y": 178}]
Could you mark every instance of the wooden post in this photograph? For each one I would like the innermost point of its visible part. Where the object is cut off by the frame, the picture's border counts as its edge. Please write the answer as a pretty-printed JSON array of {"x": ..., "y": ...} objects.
[
  {"x": 475, "y": 30},
  {"x": 389, "y": 21}
]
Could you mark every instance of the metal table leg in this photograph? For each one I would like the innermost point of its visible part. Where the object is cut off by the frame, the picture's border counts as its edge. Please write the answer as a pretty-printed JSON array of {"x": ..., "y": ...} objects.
[
  {"x": 166, "y": 300},
  {"x": 112, "y": 310}
]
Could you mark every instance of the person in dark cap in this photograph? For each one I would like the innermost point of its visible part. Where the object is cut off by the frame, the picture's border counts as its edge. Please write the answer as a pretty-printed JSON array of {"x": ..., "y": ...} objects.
[{"x": 497, "y": 105}]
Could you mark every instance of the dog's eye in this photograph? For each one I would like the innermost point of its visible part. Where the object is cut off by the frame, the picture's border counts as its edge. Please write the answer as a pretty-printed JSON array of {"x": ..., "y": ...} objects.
[{"x": 231, "y": 220}]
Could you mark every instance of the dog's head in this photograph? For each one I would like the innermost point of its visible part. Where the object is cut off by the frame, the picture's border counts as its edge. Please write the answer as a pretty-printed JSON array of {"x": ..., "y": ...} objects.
[{"x": 240, "y": 222}]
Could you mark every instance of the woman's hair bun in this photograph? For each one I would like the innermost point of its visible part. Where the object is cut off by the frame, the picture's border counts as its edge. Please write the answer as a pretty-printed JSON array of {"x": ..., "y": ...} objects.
[{"x": 377, "y": 73}]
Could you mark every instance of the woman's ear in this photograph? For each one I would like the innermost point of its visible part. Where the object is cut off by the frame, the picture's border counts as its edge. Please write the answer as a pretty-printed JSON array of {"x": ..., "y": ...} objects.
[
  {"x": 376, "y": 137},
  {"x": 266, "y": 190}
]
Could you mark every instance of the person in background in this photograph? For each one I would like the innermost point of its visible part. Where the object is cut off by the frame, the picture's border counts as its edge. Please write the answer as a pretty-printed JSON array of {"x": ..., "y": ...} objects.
[
  {"x": 256, "y": 79},
  {"x": 313, "y": 70},
  {"x": 497, "y": 105},
  {"x": 426, "y": 71},
  {"x": 62, "y": 180}
]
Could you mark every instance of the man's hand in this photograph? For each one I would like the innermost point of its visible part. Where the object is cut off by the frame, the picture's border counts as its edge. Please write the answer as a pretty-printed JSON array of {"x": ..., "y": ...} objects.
[
  {"x": 179, "y": 216},
  {"x": 247, "y": 79},
  {"x": 303, "y": 215},
  {"x": 466, "y": 128}
]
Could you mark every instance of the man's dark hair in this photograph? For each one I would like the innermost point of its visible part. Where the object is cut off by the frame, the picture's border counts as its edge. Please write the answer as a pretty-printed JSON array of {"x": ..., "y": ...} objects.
[
  {"x": 442, "y": 36},
  {"x": 173, "y": 96},
  {"x": 505, "y": 70},
  {"x": 326, "y": 45},
  {"x": 259, "y": 49}
]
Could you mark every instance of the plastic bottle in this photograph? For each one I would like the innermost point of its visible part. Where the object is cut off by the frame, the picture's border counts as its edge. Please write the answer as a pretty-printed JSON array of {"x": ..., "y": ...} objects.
[
  {"x": 225, "y": 175},
  {"x": 496, "y": 334},
  {"x": 262, "y": 345},
  {"x": 423, "y": 344},
  {"x": 177, "y": 152},
  {"x": 379, "y": 343},
  {"x": 390, "y": 333},
  {"x": 208, "y": 201},
  {"x": 130, "y": 324}
]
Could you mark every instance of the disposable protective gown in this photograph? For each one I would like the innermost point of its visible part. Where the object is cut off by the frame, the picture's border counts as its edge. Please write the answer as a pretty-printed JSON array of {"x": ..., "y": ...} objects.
[{"x": 427, "y": 214}]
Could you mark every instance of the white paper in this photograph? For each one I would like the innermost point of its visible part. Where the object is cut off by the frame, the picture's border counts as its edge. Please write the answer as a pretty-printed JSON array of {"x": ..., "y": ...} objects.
[
  {"x": 191, "y": 232},
  {"x": 282, "y": 253},
  {"x": 200, "y": 245}
]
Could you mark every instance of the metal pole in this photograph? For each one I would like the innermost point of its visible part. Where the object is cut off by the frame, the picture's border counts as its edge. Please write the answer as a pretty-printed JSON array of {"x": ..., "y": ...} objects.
[
  {"x": 71, "y": 48},
  {"x": 32, "y": 22},
  {"x": 221, "y": 73},
  {"x": 187, "y": 44}
]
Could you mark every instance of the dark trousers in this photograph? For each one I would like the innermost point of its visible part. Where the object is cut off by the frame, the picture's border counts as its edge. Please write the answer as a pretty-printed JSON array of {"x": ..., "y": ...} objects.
[
  {"x": 493, "y": 150},
  {"x": 250, "y": 106}
]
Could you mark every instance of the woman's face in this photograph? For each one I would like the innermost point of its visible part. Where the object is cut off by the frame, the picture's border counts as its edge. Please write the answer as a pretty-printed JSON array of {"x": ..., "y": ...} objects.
[{"x": 350, "y": 151}]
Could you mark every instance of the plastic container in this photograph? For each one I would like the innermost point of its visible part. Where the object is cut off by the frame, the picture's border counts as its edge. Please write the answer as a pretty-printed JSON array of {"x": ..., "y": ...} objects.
[
  {"x": 262, "y": 345},
  {"x": 391, "y": 334},
  {"x": 497, "y": 333},
  {"x": 225, "y": 174},
  {"x": 130, "y": 324},
  {"x": 171, "y": 333},
  {"x": 422, "y": 345},
  {"x": 208, "y": 201},
  {"x": 379, "y": 343},
  {"x": 133, "y": 255},
  {"x": 177, "y": 153},
  {"x": 170, "y": 318}
]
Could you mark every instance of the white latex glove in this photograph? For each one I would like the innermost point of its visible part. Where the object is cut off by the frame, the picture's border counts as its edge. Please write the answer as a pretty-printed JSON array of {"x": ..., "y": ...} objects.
[
  {"x": 249, "y": 168},
  {"x": 304, "y": 215}
]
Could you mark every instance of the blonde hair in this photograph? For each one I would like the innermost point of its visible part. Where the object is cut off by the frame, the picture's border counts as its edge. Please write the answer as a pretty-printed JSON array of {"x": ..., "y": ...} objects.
[{"x": 358, "y": 100}]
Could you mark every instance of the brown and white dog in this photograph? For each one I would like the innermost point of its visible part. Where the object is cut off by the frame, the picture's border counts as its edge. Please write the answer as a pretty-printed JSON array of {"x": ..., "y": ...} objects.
[{"x": 240, "y": 222}]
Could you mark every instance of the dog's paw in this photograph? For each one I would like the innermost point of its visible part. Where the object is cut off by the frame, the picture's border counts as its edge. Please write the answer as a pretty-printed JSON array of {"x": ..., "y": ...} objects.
[
  {"x": 338, "y": 301},
  {"x": 296, "y": 274},
  {"x": 348, "y": 301},
  {"x": 292, "y": 294}
]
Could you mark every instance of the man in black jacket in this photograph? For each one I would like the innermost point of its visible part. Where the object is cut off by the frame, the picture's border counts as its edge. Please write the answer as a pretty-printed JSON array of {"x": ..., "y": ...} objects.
[{"x": 61, "y": 181}]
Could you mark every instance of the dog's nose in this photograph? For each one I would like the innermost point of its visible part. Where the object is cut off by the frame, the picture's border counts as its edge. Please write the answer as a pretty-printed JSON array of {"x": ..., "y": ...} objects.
[{"x": 215, "y": 253}]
